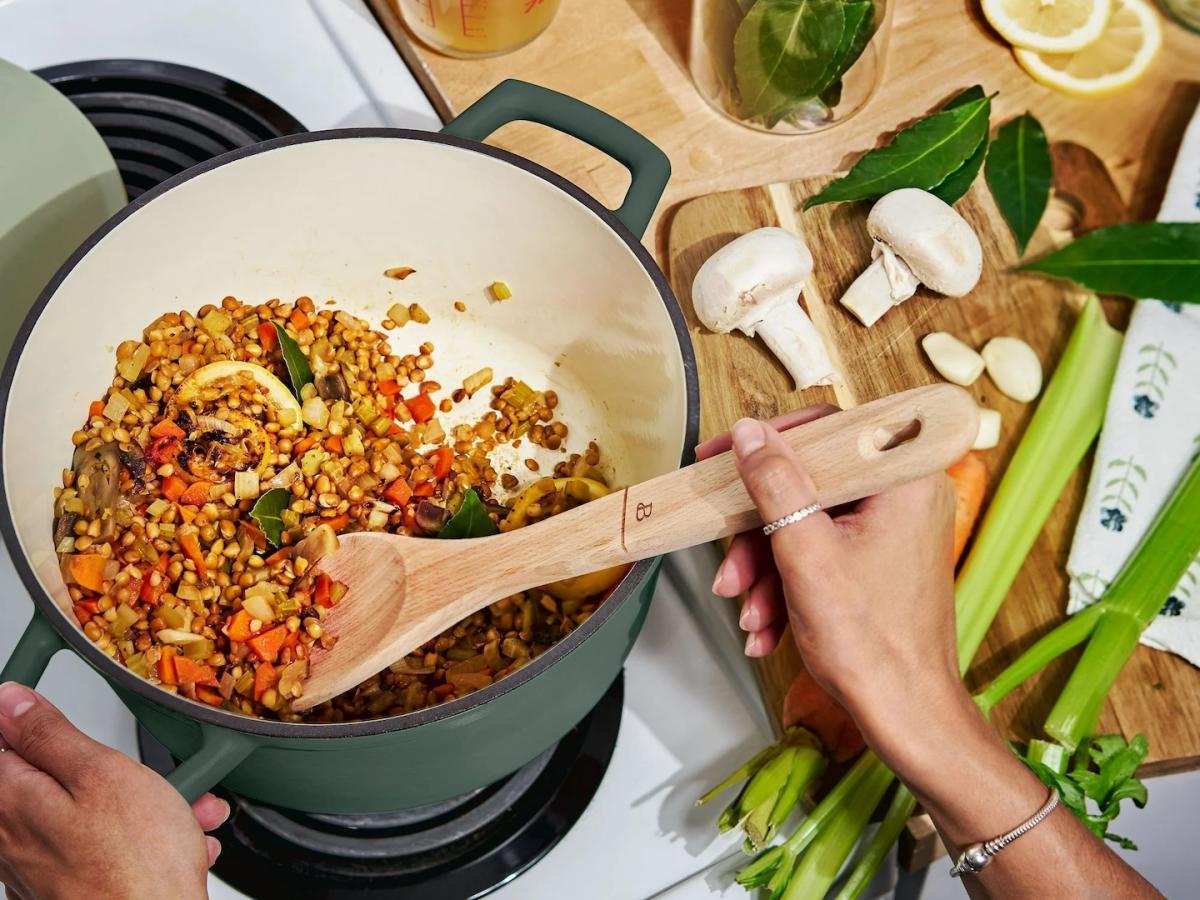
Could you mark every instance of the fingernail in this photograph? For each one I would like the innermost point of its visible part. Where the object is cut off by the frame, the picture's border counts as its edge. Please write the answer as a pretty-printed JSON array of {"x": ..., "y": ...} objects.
[
  {"x": 752, "y": 644},
  {"x": 748, "y": 436},
  {"x": 15, "y": 700},
  {"x": 748, "y": 620},
  {"x": 719, "y": 579}
]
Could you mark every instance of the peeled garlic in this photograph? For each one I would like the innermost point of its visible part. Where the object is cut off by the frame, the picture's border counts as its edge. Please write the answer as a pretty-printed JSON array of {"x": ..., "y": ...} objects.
[
  {"x": 953, "y": 359},
  {"x": 1014, "y": 367},
  {"x": 989, "y": 429}
]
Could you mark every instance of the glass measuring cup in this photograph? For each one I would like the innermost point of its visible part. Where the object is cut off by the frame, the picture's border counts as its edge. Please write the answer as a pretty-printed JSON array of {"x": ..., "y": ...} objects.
[{"x": 476, "y": 28}]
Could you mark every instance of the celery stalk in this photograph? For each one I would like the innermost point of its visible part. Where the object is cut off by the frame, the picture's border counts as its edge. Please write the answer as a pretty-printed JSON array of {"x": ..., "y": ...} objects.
[
  {"x": 1066, "y": 421},
  {"x": 899, "y": 809},
  {"x": 1131, "y": 603}
]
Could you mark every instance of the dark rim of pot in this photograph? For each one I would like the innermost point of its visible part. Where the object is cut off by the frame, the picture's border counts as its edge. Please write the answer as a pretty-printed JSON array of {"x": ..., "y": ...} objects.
[{"x": 127, "y": 680}]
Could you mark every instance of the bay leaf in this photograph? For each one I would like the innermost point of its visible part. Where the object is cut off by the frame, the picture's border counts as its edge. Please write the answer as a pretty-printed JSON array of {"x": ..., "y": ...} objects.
[
  {"x": 298, "y": 369},
  {"x": 1019, "y": 174},
  {"x": 1143, "y": 260},
  {"x": 958, "y": 182},
  {"x": 921, "y": 156},
  {"x": 471, "y": 520},
  {"x": 266, "y": 512}
]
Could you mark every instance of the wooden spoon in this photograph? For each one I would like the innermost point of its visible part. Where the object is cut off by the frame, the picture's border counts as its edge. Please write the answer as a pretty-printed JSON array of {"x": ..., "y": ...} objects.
[{"x": 404, "y": 591}]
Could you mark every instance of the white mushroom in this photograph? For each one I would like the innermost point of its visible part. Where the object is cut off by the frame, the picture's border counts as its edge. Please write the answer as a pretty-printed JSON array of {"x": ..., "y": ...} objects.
[
  {"x": 919, "y": 239},
  {"x": 753, "y": 285},
  {"x": 1014, "y": 367}
]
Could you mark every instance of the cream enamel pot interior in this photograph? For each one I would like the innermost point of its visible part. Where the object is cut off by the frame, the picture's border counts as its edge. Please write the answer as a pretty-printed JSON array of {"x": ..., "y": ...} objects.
[{"x": 323, "y": 215}]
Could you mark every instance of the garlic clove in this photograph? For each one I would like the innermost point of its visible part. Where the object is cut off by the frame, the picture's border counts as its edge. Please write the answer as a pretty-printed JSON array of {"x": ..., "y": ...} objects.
[
  {"x": 1014, "y": 367},
  {"x": 954, "y": 360},
  {"x": 988, "y": 435}
]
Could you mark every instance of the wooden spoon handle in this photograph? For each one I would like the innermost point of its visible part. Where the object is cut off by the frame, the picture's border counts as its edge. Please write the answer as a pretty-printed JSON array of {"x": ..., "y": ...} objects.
[{"x": 850, "y": 455}]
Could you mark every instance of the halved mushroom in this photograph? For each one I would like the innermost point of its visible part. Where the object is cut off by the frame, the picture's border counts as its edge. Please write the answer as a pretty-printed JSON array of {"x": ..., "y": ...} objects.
[
  {"x": 753, "y": 285},
  {"x": 919, "y": 239},
  {"x": 98, "y": 480}
]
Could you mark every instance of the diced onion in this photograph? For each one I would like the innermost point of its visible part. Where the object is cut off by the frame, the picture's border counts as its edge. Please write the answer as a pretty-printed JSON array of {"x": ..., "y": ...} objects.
[
  {"x": 315, "y": 413},
  {"x": 116, "y": 407},
  {"x": 177, "y": 636},
  {"x": 245, "y": 485}
]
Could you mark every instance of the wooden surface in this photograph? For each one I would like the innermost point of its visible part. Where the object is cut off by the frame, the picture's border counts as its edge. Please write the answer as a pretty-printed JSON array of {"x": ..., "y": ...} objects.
[
  {"x": 629, "y": 57},
  {"x": 1158, "y": 694}
]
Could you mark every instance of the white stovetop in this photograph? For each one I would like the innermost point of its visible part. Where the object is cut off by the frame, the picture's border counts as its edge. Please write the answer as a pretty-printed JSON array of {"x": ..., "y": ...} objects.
[{"x": 691, "y": 709}]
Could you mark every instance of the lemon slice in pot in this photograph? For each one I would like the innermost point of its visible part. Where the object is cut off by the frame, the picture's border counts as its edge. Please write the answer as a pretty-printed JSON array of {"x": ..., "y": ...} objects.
[
  {"x": 1049, "y": 26},
  {"x": 228, "y": 371},
  {"x": 1119, "y": 58}
]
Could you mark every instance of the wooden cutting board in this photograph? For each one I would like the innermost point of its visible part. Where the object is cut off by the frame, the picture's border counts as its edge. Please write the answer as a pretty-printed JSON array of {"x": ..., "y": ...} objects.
[{"x": 1157, "y": 694}]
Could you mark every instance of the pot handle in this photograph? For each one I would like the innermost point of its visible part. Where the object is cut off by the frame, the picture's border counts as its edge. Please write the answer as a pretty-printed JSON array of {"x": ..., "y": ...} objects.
[
  {"x": 513, "y": 100},
  {"x": 221, "y": 751},
  {"x": 32, "y": 653}
]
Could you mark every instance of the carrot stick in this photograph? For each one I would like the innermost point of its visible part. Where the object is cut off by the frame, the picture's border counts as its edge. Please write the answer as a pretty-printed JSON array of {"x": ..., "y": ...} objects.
[{"x": 969, "y": 475}]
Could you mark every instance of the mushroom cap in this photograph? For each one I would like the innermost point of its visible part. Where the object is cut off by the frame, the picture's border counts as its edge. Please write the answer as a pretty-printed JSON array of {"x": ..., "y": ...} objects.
[
  {"x": 934, "y": 241},
  {"x": 739, "y": 285}
]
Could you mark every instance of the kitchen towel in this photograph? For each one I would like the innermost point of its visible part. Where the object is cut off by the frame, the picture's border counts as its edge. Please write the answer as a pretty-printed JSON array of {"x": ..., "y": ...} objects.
[{"x": 1151, "y": 435}]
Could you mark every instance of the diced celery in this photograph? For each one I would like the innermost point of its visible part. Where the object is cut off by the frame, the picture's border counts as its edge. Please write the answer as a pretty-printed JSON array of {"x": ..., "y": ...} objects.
[
  {"x": 166, "y": 530},
  {"x": 124, "y": 620},
  {"x": 245, "y": 684},
  {"x": 287, "y": 606},
  {"x": 290, "y": 518},
  {"x": 352, "y": 443},
  {"x": 172, "y": 616},
  {"x": 216, "y": 322},
  {"x": 74, "y": 505},
  {"x": 131, "y": 368},
  {"x": 198, "y": 650},
  {"x": 501, "y": 291},
  {"x": 364, "y": 408},
  {"x": 381, "y": 426},
  {"x": 158, "y": 507},
  {"x": 137, "y": 665},
  {"x": 310, "y": 462}
]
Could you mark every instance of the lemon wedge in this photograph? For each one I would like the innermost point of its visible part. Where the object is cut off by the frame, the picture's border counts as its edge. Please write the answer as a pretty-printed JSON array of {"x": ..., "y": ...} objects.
[
  {"x": 1049, "y": 26},
  {"x": 214, "y": 374},
  {"x": 1116, "y": 60}
]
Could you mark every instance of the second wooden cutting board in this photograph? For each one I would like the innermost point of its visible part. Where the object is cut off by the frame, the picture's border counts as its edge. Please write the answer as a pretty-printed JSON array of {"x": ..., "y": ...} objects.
[{"x": 1158, "y": 694}]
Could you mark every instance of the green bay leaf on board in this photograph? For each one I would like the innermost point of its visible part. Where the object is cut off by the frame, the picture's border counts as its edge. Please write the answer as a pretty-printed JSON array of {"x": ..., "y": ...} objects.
[
  {"x": 298, "y": 369},
  {"x": 1142, "y": 260},
  {"x": 781, "y": 51},
  {"x": 267, "y": 513},
  {"x": 921, "y": 156},
  {"x": 1019, "y": 172},
  {"x": 958, "y": 182}
]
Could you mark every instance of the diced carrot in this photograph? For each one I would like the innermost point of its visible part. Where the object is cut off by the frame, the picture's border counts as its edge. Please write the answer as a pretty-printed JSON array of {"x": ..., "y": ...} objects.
[
  {"x": 808, "y": 704},
  {"x": 298, "y": 319},
  {"x": 85, "y": 609},
  {"x": 279, "y": 555},
  {"x": 394, "y": 430},
  {"x": 187, "y": 513},
  {"x": 266, "y": 676},
  {"x": 87, "y": 570},
  {"x": 196, "y": 495},
  {"x": 173, "y": 487},
  {"x": 256, "y": 536},
  {"x": 410, "y": 521},
  {"x": 398, "y": 492},
  {"x": 209, "y": 696},
  {"x": 163, "y": 449},
  {"x": 443, "y": 690},
  {"x": 293, "y": 638},
  {"x": 442, "y": 458},
  {"x": 197, "y": 673},
  {"x": 303, "y": 444},
  {"x": 167, "y": 428},
  {"x": 166, "y": 666},
  {"x": 238, "y": 626},
  {"x": 96, "y": 409},
  {"x": 147, "y": 592},
  {"x": 337, "y": 523},
  {"x": 333, "y": 443},
  {"x": 268, "y": 336},
  {"x": 969, "y": 476},
  {"x": 190, "y": 545},
  {"x": 321, "y": 591},
  {"x": 389, "y": 387},
  {"x": 425, "y": 489},
  {"x": 421, "y": 407},
  {"x": 268, "y": 644}
]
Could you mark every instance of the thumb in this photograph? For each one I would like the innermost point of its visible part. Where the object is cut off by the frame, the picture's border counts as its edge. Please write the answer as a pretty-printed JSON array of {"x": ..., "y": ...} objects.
[
  {"x": 779, "y": 485},
  {"x": 38, "y": 733}
]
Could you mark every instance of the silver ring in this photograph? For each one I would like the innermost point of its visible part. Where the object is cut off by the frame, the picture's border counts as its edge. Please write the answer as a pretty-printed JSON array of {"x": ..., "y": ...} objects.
[{"x": 792, "y": 518}]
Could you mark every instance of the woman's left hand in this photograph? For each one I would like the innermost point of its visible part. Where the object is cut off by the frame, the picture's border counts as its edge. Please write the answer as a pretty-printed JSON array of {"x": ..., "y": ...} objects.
[{"x": 79, "y": 819}]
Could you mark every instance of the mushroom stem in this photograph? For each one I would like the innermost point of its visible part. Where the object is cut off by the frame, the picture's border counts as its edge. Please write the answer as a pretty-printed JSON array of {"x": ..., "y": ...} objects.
[
  {"x": 885, "y": 283},
  {"x": 792, "y": 337}
]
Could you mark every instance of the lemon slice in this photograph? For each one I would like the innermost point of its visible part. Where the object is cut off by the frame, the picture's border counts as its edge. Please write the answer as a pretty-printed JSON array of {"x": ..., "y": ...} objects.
[
  {"x": 1119, "y": 58},
  {"x": 1050, "y": 26},
  {"x": 226, "y": 370}
]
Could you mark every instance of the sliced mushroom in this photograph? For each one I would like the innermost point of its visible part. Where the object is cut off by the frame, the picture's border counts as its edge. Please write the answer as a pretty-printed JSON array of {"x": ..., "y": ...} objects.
[
  {"x": 332, "y": 386},
  {"x": 432, "y": 517},
  {"x": 919, "y": 239},
  {"x": 98, "y": 480},
  {"x": 753, "y": 285}
]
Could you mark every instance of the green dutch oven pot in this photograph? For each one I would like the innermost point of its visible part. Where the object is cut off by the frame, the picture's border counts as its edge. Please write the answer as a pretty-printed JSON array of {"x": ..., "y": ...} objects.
[{"x": 323, "y": 214}]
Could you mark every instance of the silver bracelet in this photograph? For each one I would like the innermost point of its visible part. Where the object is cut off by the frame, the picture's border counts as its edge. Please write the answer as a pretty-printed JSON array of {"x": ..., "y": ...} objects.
[{"x": 975, "y": 857}]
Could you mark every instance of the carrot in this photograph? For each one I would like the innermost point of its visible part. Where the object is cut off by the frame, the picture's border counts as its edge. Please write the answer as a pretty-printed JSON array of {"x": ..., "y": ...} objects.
[
  {"x": 209, "y": 696},
  {"x": 337, "y": 523},
  {"x": 421, "y": 407},
  {"x": 167, "y": 428},
  {"x": 268, "y": 336},
  {"x": 303, "y": 444},
  {"x": 187, "y": 670},
  {"x": 173, "y": 487},
  {"x": 238, "y": 626},
  {"x": 388, "y": 387},
  {"x": 443, "y": 690},
  {"x": 398, "y": 492},
  {"x": 333, "y": 443},
  {"x": 808, "y": 704},
  {"x": 147, "y": 592},
  {"x": 87, "y": 570},
  {"x": 166, "y": 666},
  {"x": 441, "y": 462},
  {"x": 266, "y": 676},
  {"x": 268, "y": 644},
  {"x": 190, "y": 544},
  {"x": 425, "y": 489},
  {"x": 85, "y": 609},
  {"x": 279, "y": 555},
  {"x": 321, "y": 591},
  {"x": 256, "y": 536},
  {"x": 394, "y": 430},
  {"x": 298, "y": 319},
  {"x": 293, "y": 638},
  {"x": 969, "y": 476},
  {"x": 196, "y": 495},
  {"x": 96, "y": 409},
  {"x": 187, "y": 513}
]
